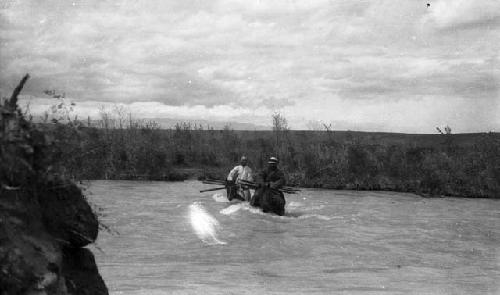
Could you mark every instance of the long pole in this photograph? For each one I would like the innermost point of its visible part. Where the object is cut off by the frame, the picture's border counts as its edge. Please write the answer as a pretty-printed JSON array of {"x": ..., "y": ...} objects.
[{"x": 212, "y": 189}]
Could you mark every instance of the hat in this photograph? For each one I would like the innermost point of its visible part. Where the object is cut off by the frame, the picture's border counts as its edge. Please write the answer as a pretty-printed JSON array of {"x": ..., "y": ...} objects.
[{"x": 273, "y": 160}]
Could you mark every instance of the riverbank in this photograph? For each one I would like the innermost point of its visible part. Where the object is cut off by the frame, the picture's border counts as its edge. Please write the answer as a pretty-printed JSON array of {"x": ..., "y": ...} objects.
[
  {"x": 45, "y": 220},
  {"x": 464, "y": 165}
]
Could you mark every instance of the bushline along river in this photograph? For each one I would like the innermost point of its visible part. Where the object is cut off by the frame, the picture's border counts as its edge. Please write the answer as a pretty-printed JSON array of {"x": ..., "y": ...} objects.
[{"x": 174, "y": 240}]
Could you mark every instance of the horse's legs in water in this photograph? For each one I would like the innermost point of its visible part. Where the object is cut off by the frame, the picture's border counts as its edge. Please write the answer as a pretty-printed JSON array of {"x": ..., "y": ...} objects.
[
  {"x": 256, "y": 198},
  {"x": 272, "y": 201},
  {"x": 246, "y": 194}
]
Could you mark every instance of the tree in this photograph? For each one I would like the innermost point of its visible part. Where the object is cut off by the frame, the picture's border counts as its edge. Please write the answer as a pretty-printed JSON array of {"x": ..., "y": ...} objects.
[
  {"x": 447, "y": 130},
  {"x": 280, "y": 130}
]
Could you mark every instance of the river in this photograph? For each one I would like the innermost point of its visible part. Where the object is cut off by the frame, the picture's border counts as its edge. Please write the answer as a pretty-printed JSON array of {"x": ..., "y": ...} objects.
[{"x": 171, "y": 239}]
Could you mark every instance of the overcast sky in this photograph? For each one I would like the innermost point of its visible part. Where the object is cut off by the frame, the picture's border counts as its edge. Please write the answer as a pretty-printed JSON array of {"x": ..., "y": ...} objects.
[{"x": 398, "y": 66}]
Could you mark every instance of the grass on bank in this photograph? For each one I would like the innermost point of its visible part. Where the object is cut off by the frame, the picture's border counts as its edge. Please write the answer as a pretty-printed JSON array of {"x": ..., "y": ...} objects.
[{"x": 119, "y": 147}]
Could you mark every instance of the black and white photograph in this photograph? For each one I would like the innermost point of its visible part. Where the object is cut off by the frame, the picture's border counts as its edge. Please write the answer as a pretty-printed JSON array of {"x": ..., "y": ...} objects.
[{"x": 213, "y": 147}]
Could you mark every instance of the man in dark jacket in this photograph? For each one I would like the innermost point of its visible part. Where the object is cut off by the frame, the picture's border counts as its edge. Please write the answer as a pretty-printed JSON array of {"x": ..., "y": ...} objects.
[{"x": 267, "y": 196}]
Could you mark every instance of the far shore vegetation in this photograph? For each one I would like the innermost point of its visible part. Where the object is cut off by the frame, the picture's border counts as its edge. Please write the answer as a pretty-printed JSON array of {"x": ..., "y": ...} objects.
[{"x": 118, "y": 146}]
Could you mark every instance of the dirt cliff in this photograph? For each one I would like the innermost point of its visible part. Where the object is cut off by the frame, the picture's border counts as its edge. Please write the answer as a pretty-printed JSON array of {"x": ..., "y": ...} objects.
[{"x": 45, "y": 220}]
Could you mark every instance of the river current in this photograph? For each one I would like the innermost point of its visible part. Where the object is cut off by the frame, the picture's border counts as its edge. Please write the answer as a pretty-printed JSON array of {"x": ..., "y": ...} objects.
[{"x": 167, "y": 238}]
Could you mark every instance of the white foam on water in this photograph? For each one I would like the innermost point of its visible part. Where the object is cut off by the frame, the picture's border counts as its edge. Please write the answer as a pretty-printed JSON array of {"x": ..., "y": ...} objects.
[
  {"x": 301, "y": 211},
  {"x": 241, "y": 206},
  {"x": 294, "y": 205},
  {"x": 255, "y": 210},
  {"x": 220, "y": 198},
  {"x": 318, "y": 216},
  {"x": 298, "y": 205},
  {"x": 231, "y": 209},
  {"x": 293, "y": 210},
  {"x": 205, "y": 226}
]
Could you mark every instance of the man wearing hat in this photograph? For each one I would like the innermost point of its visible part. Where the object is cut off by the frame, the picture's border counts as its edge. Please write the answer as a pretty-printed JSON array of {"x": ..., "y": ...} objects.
[
  {"x": 235, "y": 187},
  {"x": 267, "y": 195}
]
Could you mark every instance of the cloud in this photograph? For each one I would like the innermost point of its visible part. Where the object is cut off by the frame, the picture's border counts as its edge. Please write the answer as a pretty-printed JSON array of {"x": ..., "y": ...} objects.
[
  {"x": 355, "y": 62},
  {"x": 277, "y": 103},
  {"x": 448, "y": 14},
  {"x": 147, "y": 109},
  {"x": 413, "y": 77}
]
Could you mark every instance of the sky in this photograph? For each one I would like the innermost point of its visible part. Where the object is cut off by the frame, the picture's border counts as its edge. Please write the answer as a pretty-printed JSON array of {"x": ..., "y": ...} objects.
[{"x": 379, "y": 65}]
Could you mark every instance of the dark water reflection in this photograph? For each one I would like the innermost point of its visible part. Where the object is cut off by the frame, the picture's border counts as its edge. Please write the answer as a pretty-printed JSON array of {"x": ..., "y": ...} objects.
[{"x": 331, "y": 242}]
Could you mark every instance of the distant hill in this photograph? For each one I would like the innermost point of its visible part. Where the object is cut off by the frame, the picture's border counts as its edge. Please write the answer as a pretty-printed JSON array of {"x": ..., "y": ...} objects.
[{"x": 167, "y": 123}]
